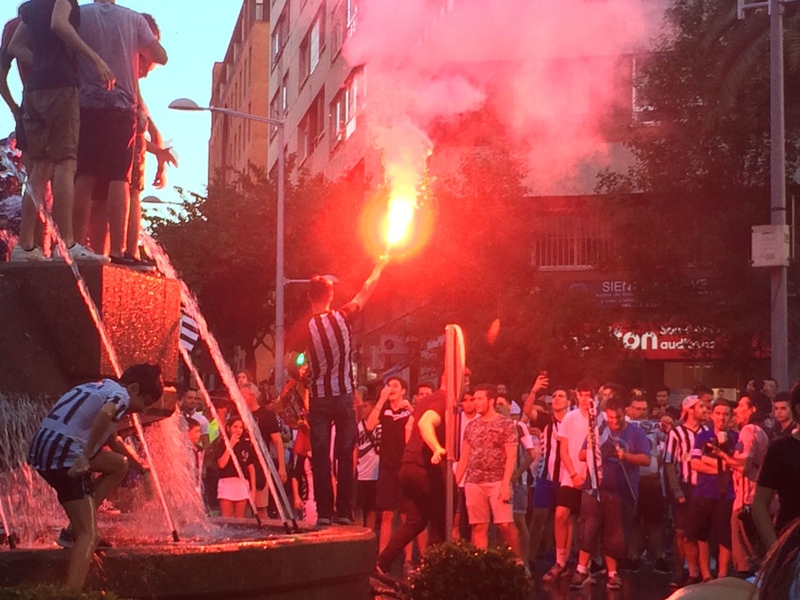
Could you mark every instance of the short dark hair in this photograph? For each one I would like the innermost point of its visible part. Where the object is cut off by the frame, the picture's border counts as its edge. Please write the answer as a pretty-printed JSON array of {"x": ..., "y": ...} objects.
[
  {"x": 586, "y": 385},
  {"x": 490, "y": 389},
  {"x": 424, "y": 385},
  {"x": 399, "y": 380},
  {"x": 191, "y": 423},
  {"x": 320, "y": 289},
  {"x": 664, "y": 388},
  {"x": 782, "y": 397},
  {"x": 618, "y": 398},
  {"x": 702, "y": 390},
  {"x": 148, "y": 378},
  {"x": 182, "y": 389},
  {"x": 720, "y": 402}
]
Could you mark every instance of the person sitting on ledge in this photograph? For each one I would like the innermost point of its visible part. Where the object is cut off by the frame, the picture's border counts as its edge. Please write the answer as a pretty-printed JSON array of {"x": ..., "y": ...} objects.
[{"x": 70, "y": 444}]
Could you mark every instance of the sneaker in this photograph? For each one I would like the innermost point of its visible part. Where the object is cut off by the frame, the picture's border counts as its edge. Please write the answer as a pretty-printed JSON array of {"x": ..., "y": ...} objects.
[
  {"x": 35, "y": 254},
  {"x": 106, "y": 507},
  {"x": 142, "y": 264},
  {"x": 662, "y": 566},
  {"x": 614, "y": 582},
  {"x": 597, "y": 567},
  {"x": 631, "y": 564},
  {"x": 677, "y": 581},
  {"x": 131, "y": 263},
  {"x": 345, "y": 519},
  {"x": 323, "y": 522},
  {"x": 66, "y": 539},
  {"x": 80, "y": 253},
  {"x": 579, "y": 580},
  {"x": 103, "y": 545},
  {"x": 556, "y": 572}
]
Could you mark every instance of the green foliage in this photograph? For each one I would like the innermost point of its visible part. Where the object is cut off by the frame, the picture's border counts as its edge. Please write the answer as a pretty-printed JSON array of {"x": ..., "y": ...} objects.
[
  {"x": 460, "y": 570},
  {"x": 51, "y": 592}
]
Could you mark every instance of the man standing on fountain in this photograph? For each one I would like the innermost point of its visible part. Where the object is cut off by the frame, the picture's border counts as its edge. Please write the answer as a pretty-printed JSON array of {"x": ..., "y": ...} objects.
[
  {"x": 331, "y": 384},
  {"x": 68, "y": 447}
]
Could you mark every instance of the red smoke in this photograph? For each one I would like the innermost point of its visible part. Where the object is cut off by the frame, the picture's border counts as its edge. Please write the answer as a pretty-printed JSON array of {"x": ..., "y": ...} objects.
[{"x": 553, "y": 71}]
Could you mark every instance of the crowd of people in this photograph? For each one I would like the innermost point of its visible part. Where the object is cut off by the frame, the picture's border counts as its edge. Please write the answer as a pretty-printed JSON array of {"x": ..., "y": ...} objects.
[{"x": 82, "y": 128}]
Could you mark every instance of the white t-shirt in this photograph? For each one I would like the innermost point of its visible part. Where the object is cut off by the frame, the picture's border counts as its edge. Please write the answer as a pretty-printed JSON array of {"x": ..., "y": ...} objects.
[
  {"x": 368, "y": 446},
  {"x": 573, "y": 431}
]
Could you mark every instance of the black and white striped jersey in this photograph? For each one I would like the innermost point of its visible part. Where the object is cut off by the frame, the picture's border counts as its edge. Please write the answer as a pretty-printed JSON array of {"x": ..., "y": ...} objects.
[
  {"x": 678, "y": 452},
  {"x": 330, "y": 350},
  {"x": 550, "y": 465},
  {"x": 63, "y": 434}
]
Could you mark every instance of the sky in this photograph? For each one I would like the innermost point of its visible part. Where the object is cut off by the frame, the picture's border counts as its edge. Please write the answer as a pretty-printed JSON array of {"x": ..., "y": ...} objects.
[{"x": 194, "y": 39}]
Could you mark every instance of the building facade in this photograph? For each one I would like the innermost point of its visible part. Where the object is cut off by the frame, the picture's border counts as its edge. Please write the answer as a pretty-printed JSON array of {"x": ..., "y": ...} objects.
[{"x": 239, "y": 83}]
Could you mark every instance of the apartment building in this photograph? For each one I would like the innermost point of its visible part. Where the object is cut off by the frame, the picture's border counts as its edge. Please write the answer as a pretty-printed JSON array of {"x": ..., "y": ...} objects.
[{"x": 239, "y": 82}]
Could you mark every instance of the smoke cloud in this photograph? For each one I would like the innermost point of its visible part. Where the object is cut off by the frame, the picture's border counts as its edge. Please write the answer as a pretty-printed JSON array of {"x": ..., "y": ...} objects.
[{"x": 554, "y": 72}]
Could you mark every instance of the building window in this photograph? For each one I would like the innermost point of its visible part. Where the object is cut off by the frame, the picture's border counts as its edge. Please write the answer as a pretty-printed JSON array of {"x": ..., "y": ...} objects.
[
  {"x": 572, "y": 243},
  {"x": 311, "y": 129},
  {"x": 352, "y": 12},
  {"x": 259, "y": 10},
  {"x": 280, "y": 34},
  {"x": 280, "y": 103},
  {"x": 312, "y": 46},
  {"x": 344, "y": 108},
  {"x": 343, "y": 24}
]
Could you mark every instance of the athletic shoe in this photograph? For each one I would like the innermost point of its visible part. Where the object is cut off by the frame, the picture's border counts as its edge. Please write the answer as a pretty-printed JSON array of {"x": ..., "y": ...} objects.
[
  {"x": 103, "y": 545},
  {"x": 129, "y": 262},
  {"x": 35, "y": 254},
  {"x": 614, "y": 582},
  {"x": 66, "y": 539},
  {"x": 677, "y": 581},
  {"x": 80, "y": 253},
  {"x": 107, "y": 508},
  {"x": 579, "y": 580},
  {"x": 631, "y": 564},
  {"x": 557, "y": 571},
  {"x": 346, "y": 519},
  {"x": 323, "y": 522},
  {"x": 597, "y": 567},
  {"x": 662, "y": 566}
]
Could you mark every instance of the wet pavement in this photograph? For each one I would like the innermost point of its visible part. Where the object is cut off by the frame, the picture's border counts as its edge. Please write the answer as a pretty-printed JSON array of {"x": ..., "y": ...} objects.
[{"x": 644, "y": 584}]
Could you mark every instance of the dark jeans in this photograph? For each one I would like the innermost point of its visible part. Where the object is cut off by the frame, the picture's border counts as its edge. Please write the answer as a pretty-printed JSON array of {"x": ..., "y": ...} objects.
[
  {"x": 424, "y": 490},
  {"x": 608, "y": 519},
  {"x": 324, "y": 412}
]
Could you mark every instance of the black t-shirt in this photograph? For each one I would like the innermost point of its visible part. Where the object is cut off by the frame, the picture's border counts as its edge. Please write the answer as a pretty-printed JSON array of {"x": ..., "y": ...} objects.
[
  {"x": 54, "y": 65},
  {"x": 243, "y": 450},
  {"x": 393, "y": 436},
  {"x": 781, "y": 472},
  {"x": 267, "y": 422},
  {"x": 417, "y": 451}
]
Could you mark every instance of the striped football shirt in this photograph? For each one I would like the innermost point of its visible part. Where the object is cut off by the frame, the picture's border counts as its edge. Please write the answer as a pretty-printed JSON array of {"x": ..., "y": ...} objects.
[
  {"x": 678, "y": 452},
  {"x": 330, "y": 350},
  {"x": 63, "y": 434}
]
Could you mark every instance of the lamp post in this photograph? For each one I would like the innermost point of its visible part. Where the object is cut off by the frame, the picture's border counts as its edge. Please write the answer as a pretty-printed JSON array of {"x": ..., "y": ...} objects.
[
  {"x": 280, "y": 329},
  {"x": 157, "y": 200}
]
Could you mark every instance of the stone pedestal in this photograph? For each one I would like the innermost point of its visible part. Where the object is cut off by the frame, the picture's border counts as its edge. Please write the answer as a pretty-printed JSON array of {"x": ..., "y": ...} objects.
[{"x": 48, "y": 341}]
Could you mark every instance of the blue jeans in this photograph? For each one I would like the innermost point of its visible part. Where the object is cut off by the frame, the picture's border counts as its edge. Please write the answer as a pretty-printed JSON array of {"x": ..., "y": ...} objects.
[{"x": 324, "y": 412}]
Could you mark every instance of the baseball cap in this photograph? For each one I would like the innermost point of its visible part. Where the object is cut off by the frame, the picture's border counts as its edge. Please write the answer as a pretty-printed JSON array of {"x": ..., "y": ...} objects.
[{"x": 689, "y": 402}]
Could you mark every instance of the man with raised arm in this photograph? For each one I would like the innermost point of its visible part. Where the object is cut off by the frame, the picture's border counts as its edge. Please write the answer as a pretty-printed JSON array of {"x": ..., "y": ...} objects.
[{"x": 331, "y": 386}]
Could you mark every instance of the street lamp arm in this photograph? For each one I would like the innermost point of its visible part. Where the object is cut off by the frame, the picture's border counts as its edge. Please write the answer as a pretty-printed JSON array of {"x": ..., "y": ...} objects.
[{"x": 234, "y": 113}]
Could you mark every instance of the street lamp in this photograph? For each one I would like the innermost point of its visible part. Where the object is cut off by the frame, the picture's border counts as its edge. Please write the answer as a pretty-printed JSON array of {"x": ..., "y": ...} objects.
[
  {"x": 157, "y": 200},
  {"x": 280, "y": 329}
]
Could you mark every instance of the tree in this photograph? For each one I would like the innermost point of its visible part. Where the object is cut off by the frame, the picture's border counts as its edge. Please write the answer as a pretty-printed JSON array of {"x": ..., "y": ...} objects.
[{"x": 698, "y": 186}]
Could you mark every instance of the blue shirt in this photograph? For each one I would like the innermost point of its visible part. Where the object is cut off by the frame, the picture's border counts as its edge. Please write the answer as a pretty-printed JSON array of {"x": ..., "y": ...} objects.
[
  {"x": 617, "y": 475},
  {"x": 708, "y": 485}
]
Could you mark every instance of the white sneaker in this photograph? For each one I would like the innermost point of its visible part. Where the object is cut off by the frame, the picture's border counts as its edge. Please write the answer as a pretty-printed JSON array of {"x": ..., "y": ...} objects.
[
  {"x": 19, "y": 254},
  {"x": 81, "y": 253}
]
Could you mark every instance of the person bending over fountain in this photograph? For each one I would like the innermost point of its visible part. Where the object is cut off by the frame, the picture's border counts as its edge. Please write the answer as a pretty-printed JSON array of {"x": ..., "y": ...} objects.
[{"x": 70, "y": 444}]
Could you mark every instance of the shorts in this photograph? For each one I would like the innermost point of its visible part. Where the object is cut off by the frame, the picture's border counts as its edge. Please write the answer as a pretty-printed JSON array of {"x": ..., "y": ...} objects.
[
  {"x": 609, "y": 520},
  {"x": 388, "y": 496},
  {"x": 106, "y": 143},
  {"x": 570, "y": 498},
  {"x": 680, "y": 511},
  {"x": 52, "y": 124},
  {"x": 652, "y": 505},
  {"x": 484, "y": 504},
  {"x": 68, "y": 488},
  {"x": 544, "y": 494},
  {"x": 234, "y": 489},
  {"x": 366, "y": 494},
  {"x": 519, "y": 499},
  {"x": 710, "y": 516},
  {"x": 19, "y": 131}
]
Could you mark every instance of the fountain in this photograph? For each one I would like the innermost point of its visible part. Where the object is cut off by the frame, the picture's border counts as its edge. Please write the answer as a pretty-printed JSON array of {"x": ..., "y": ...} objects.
[{"x": 56, "y": 335}]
